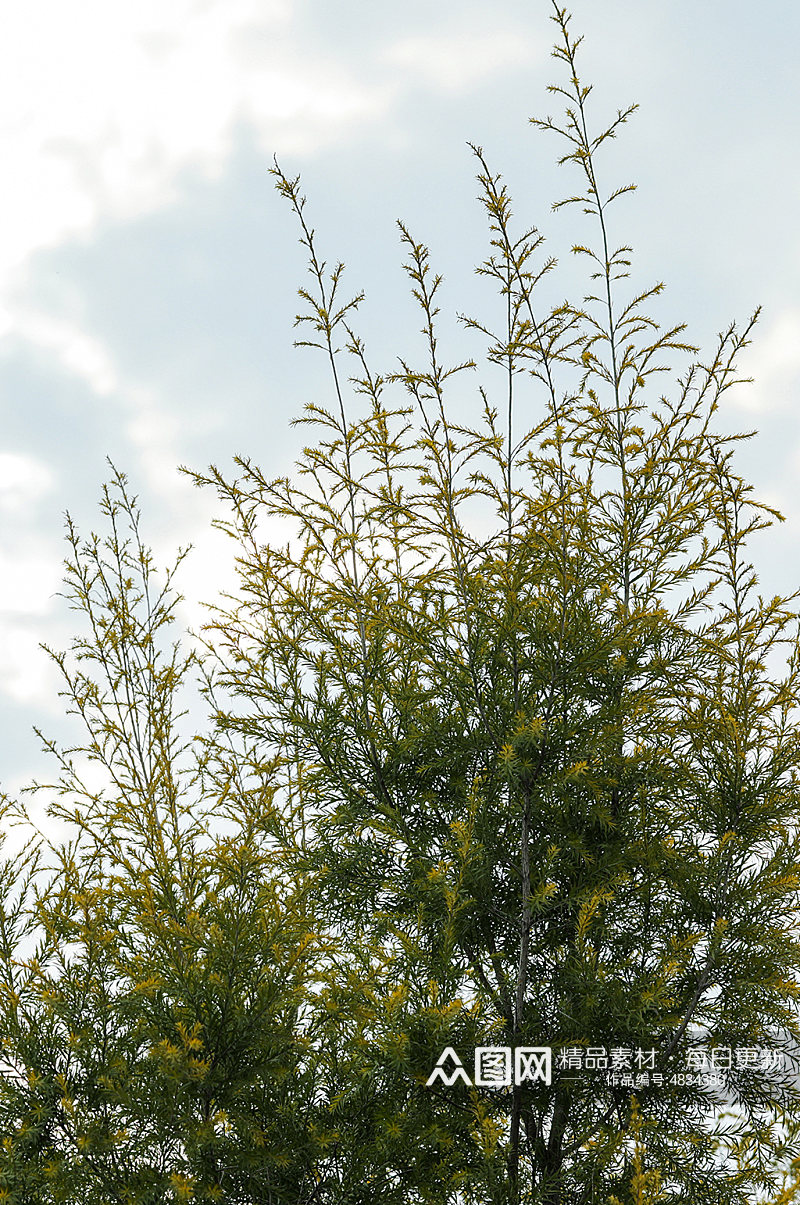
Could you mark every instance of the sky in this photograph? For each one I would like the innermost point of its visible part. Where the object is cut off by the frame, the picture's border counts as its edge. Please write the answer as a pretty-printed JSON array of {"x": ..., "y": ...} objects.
[{"x": 148, "y": 269}]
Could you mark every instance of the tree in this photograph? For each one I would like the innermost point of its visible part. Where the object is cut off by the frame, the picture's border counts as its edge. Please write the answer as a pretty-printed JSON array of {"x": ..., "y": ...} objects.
[
  {"x": 549, "y": 775},
  {"x": 171, "y": 1025},
  {"x": 525, "y": 789}
]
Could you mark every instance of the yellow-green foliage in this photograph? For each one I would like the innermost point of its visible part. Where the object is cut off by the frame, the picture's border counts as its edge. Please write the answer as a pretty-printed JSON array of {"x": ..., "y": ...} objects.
[
  {"x": 645, "y": 1186},
  {"x": 499, "y": 749}
]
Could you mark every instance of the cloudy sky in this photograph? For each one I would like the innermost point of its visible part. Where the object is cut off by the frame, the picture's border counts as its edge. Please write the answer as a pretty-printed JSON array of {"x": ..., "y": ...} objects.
[{"x": 148, "y": 269}]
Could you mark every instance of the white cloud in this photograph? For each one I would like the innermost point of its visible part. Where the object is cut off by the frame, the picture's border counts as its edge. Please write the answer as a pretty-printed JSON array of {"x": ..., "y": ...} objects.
[
  {"x": 105, "y": 105},
  {"x": 74, "y": 349},
  {"x": 30, "y": 576},
  {"x": 773, "y": 361},
  {"x": 452, "y": 60},
  {"x": 28, "y": 581},
  {"x": 207, "y": 574},
  {"x": 26, "y": 672},
  {"x": 23, "y": 481}
]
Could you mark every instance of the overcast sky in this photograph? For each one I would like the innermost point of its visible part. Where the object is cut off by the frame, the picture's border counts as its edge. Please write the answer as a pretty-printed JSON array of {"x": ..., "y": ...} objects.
[{"x": 148, "y": 269}]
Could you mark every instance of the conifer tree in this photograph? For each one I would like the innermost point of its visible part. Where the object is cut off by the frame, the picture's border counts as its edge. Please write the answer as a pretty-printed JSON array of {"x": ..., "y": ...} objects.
[
  {"x": 534, "y": 787},
  {"x": 174, "y": 1026},
  {"x": 546, "y": 779}
]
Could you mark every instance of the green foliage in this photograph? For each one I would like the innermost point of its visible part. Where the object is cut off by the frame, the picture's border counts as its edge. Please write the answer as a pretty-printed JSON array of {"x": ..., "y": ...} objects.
[
  {"x": 552, "y": 768},
  {"x": 175, "y": 1025},
  {"x": 152, "y": 1030},
  {"x": 502, "y": 753}
]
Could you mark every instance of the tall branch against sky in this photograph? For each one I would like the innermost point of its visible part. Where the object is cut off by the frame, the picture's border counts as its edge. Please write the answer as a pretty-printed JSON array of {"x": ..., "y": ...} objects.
[{"x": 138, "y": 248}]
